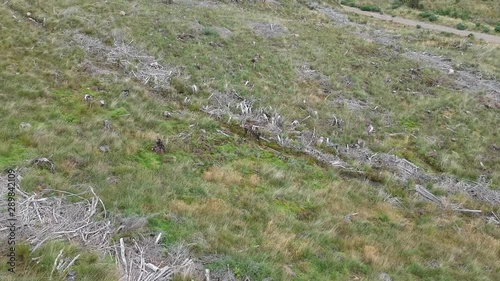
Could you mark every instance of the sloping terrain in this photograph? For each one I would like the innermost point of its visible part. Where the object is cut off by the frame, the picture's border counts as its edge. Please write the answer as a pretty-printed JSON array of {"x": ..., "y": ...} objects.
[
  {"x": 196, "y": 140},
  {"x": 420, "y": 24}
]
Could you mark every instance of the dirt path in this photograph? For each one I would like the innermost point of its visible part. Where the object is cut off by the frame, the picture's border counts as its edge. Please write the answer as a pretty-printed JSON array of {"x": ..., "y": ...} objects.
[{"x": 486, "y": 37}]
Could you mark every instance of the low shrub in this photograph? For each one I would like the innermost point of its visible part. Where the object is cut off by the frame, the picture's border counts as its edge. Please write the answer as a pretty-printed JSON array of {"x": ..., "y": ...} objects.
[
  {"x": 461, "y": 26},
  {"x": 454, "y": 13},
  {"x": 415, "y": 4},
  {"x": 428, "y": 15},
  {"x": 348, "y": 3},
  {"x": 370, "y": 8},
  {"x": 397, "y": 4}
]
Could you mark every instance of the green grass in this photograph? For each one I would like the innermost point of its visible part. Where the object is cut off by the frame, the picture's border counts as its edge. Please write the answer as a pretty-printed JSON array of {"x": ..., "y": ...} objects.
[
  {"x": 362, "y": 7},
  {"x": 461, "y": 26},
  {"x": 370, "y": 8},
  {"x": 454, "y": 13},
  {"x": 428, "y": 15},
  {"x": 256, "y": 206}
]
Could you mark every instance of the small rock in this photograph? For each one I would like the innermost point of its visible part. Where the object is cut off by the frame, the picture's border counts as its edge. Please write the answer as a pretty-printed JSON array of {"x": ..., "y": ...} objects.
[
  {"x": 87, "y": 98},
  {"x": 167, "y": 114},
  {"x": 24, "y": 125},
  {"x": 451, "y": 71},
  {"x": 102, "y": 103},
  {"x": 288, "y": 270},
  {"x": 122, "y": 13},
  {"x": 28, "y": 14},
  {"x": 319, "y": 141},
  {"x": 125, "y": 93},
  {"x": 495, "y": 147},
  {"x": 112, "y": 180},
  {"x": 133, "y": 223},
  {"x": 434, "y": 264},
  {"x": 432, "y": 154},
  {"x": 361, "y": 143},
  {"x": 296, "y": 35},
  {"x": 384, "y": 277},
  {"x": 104, "y": 148},
  {"x": 107, "y": 125},
  {"x": 370, "y": 129},
  {"x": 453, "y": 139},
  {"x": 43, "y": 163},
  {"x": 71, "y": 276}
]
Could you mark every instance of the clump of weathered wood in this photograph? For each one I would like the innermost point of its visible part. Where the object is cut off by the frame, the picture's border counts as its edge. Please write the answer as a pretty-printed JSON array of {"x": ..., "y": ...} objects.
[
  {"x": 43, "y": 163},
  {"x": 159, "y": 147},
  {"x": 43, "y": 217}
]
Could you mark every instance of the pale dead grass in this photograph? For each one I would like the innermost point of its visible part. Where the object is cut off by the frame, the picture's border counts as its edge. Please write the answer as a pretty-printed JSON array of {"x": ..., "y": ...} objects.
[
  {"x": 277, "y": 240},
  {"x": 213, "y": 207},
  {"x": 223, "y": 175},
  {"x": 254, "y": 180}
]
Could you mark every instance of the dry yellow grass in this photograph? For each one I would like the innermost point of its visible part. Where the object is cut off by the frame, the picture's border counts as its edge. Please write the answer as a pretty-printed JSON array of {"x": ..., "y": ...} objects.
[{"x": 223, "y": 175}]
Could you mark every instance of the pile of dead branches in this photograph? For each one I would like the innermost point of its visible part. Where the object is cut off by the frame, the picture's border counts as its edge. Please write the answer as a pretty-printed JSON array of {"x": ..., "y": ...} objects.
[
  {"x": 135, "y": 261},
  {"x": 81, "y": 218},
  {"x": 136, "y": 63},
  {"x": 44, "y": 218}
]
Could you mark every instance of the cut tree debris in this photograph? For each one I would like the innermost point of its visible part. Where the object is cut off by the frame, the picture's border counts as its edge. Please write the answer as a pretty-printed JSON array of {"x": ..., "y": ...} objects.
[{"x": 50, "y": 215}]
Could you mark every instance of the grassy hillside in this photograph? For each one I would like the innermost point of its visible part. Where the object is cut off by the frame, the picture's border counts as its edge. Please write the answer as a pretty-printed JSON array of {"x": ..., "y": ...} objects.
[{"x": 254, "y": 208}]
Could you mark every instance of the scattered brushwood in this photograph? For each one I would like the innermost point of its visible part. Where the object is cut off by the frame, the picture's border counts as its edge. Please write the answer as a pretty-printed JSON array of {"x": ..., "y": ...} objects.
[
  {"x": 184, "y": 36},
  {"x": 43, "y": 163},
  {"x": 166, "y": 114},
  {"x": 493, "y": 218},
  {"x": 44, "y": 218},
  {"x": 136, "y": 63},
  {"x": 422, "y": 191},
  {"x": 264, "y": 123},
  {"x": 478, "y": 190},
  {"x": 106, "y": 124},
  {"x": 137, "y": 261},
  {"x": 52, "y": 215},
  {"x": 308, "y": 73},
  {"x": 351, "y": 104},
  {"x": 405, "y": 171},
  {"x": 467, "y": 80},
  {"x": 62, "y": 265},
  {"x": 267, "y": 124},
  {"x": 252, "y": 127},
  {"x": 104, "y": 148}
]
